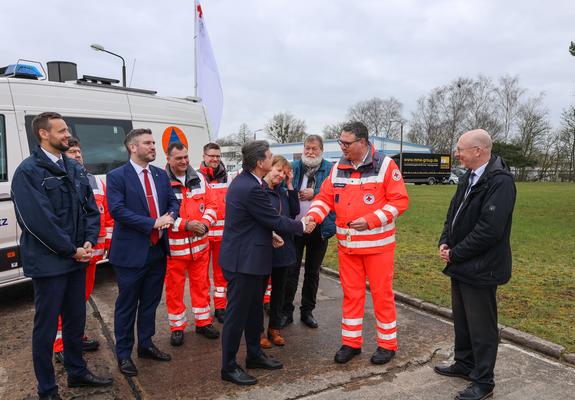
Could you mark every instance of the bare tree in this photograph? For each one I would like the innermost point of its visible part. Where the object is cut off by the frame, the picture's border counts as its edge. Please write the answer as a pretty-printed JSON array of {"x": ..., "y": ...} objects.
[
  {"x": 482, "y": 107},
  {"x": 454, "y": 102},
  {"x": 567, "y": 139},
  {"x": 509, "y": 95},
  {"x": 379, "y": 115},
  {"x": 285, "y": 128},
  {"x": 332, "y": 131},
  {"x": 426, "y": 126},
  {"x": 533, "y": 128}
]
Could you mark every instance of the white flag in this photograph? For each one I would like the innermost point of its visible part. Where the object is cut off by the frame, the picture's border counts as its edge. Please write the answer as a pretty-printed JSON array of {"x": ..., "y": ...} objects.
[{"x": 208, "y": 83}]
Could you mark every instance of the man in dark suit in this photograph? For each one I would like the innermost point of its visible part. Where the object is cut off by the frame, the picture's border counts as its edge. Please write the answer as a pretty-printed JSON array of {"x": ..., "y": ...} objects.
[
  {"x": 143, "y": 205},
  {"x": 475, "y": 244},
  {"x": 60, "y": 222},
  {"x": 246, "y": 256}
]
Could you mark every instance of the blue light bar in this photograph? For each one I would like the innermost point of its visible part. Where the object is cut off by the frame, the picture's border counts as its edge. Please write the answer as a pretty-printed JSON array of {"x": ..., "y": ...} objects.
[{"x": 23, "y": 70}]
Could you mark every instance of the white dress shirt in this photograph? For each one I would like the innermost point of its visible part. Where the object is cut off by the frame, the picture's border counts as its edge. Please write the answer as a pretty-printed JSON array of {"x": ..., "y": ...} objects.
[
  {"x": 140, "y": 172},
  {"x": 51, "y": 156}
]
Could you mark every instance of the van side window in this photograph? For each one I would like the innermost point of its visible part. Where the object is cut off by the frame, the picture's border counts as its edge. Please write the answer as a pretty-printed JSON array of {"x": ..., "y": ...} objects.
[
  {"x": 3, "y": 153},
  {"x": 102, "y": 141}
]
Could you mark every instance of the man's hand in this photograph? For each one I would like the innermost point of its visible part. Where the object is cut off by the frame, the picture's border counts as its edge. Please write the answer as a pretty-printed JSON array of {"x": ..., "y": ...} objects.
[
  {"x": 196, "y": 227},
  {"x": 444, "y": 252},
  {"x": 306, "y": 194},
  {"x": 82, "y": 255},
  {"x": 309, "y": 224},
  {"x": 359, "y": 224},
  {"x": 277, "y": 240},
  {"x": 165, "y": 221}
]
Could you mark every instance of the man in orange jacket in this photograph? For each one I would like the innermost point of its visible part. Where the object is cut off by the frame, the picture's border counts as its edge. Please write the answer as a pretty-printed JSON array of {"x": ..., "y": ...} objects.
[
  {"x": 189, "y": 247},
  {"x": 367, "y": 193},
  {"x": 215, "y": 173},
  {"x": 99, "y": 251}
]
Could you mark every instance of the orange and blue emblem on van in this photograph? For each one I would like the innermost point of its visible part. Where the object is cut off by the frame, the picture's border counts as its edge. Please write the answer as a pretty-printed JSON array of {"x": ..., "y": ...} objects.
[{"x": 173, "y": 134}]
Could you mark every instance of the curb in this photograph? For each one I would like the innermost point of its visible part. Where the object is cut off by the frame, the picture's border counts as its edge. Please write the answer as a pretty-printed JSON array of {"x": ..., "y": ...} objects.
[{"x": 524, "y": 339}]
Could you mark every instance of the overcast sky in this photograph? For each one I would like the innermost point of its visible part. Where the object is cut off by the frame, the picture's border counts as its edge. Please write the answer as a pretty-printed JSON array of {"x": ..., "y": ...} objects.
[{"x": 314, "y": 58}]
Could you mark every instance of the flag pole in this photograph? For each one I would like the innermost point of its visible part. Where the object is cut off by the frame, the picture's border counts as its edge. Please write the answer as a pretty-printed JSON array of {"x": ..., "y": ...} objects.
[{"x": 196, "y": 48}]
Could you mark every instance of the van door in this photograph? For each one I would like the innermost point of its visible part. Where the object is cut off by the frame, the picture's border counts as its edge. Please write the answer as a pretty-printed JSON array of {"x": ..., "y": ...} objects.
[{"x": 10, "y": 158}]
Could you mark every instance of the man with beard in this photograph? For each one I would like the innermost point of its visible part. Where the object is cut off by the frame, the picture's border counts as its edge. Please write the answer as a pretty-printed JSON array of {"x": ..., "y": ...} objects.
[
  {"x": 143, "y": 205},
  {"x": 60, "y": 222},
  {"x": 309, "y": 173},
  {"x": 214, "y": 170}
]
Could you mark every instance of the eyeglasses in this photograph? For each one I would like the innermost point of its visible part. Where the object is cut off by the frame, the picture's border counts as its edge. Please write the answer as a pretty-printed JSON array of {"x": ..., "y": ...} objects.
[
  {"x": 213, "y": 156},
  {"x": 345, "y": 145},
  {"x": 459, "y": 149}
]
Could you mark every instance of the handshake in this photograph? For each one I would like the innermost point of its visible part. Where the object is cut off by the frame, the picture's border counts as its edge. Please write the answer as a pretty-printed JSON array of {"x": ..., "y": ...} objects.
[{"x": 309, "y": 224}]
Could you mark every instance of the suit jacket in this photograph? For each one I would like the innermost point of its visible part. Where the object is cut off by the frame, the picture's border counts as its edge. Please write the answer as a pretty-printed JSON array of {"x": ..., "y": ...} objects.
[
  {"x": 129, "y": 208},
  {"x": 250, "y": 219}
]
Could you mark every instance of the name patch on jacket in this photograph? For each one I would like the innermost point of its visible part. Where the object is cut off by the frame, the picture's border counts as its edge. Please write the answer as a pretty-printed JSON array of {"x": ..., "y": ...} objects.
[{"x": 339, "y": 185}]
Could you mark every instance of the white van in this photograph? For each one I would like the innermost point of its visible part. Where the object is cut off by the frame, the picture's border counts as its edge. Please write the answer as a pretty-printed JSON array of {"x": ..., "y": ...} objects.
[{"x": 100, "y": 114}]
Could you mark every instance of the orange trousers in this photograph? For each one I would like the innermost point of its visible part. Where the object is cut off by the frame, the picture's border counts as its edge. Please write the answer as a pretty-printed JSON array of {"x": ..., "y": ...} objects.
[
  {"x": 199, "y": 290},
  {"x": 220, "y": 283},
  {"x": 90, "y": 278},
  {"x": 353, "y": 270}
]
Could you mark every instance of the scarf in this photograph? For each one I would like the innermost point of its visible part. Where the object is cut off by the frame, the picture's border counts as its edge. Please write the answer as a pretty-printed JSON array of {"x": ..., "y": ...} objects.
[{"x": 219, "y": 174}]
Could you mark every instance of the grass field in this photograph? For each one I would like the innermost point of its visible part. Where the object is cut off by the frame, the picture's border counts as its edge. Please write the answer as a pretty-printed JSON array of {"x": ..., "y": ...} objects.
[{"x": 540, "y": 298}]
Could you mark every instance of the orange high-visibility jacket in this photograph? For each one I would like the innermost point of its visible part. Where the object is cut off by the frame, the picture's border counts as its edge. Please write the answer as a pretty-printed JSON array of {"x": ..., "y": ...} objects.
[
  {"x": 374, "y": 191},
  {"x": 196, "y": 204},
  {"x": 106, "y": 220},
  {"x": 219, "y": 191}
]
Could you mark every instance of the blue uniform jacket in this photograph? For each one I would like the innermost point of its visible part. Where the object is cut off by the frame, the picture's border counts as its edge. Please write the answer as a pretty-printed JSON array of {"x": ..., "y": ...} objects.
[
  {"x": 250, "y": 220},
  {"x": 57, "y": 213},
  {"x": 286, "y": 203},
  {"x": 327, "y": 227},
  {"x": 129, "y": 208}
]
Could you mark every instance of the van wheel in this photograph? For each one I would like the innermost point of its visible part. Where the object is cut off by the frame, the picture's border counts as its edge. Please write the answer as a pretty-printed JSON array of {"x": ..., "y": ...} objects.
[{"x": 431, "y": 181}]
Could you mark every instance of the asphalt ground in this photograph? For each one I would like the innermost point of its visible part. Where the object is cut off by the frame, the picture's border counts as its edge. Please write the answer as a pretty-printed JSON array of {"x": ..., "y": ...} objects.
[{"x": 309, "y": 371}]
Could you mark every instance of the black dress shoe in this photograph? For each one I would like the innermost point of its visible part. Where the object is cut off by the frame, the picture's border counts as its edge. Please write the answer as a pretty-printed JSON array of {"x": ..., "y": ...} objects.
[
  {"x": 90, "y": 344},
  {"x": 345, "y": 353},
  {"x": 382, "y": 356},
  {"x": 177, "y": 338},
  {"x": 208, "y": 331},
  {"x": 153, "y": 353},
  {"x": 50, "y": 397},
  {"x": 309, "y": 320},
  {"x": 59, "y": 357},
  {"x": 475, "y": 392},
  {"x": 239, "y": 377},
  {"x": 454, "y": 370},
  {"x": 220, "y": 314},
  {"x": 286, "y": 320},
  {"x": 263, "y": 362},
  {"x": 88, "y": 379},
  {"x": 127, "y": 367}
]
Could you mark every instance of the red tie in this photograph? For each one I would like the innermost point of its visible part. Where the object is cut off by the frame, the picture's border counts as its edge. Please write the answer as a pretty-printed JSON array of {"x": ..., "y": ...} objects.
[{"x": 155, "y": 236}]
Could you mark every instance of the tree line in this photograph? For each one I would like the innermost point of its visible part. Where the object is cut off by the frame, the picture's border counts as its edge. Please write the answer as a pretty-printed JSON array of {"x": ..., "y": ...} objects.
[{"x": 518, "y": 122}]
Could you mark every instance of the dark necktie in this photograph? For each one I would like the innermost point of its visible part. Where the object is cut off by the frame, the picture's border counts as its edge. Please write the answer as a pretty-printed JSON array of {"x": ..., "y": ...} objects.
[
  {"x": 469, "y": 186},
  {"x": 155, "y": 236},
  {"x": 60, "y": 163}
]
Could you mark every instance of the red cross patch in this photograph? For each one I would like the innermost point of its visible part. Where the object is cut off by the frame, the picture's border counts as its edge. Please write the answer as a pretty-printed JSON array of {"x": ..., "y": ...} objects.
[
  {"x": 202, "y": 207},
  {"x": 396, "y": 175},
  {"x": 368, "y": 198}
]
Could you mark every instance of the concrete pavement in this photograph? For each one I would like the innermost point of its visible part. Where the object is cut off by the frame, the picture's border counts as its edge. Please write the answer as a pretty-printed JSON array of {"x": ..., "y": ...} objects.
[{"x": 309, "y": 371}]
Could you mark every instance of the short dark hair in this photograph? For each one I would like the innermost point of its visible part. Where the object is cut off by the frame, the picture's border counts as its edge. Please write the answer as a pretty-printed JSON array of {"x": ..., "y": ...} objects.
[
  {"x": 74, "y": 142},
  {"x": 175, "y": 145},
  {"x": 358, "y": 129},
  {"x": 211, "y": 146},
  {"x": 252, "y": 152},
  {"x": 42, "y": 121},
  {"x": 133, "y": 134},
  {"x": 314, "y": 138}
]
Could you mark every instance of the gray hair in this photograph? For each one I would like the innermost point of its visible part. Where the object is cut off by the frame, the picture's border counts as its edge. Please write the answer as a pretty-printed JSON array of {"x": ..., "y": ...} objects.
[
  {"x": 252, "y": 152},
  {"x": 314, "y": 138}
]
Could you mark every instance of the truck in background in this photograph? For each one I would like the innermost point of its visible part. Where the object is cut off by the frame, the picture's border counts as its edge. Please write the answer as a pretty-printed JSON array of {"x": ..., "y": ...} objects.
[{"x": 424, "y": 168}]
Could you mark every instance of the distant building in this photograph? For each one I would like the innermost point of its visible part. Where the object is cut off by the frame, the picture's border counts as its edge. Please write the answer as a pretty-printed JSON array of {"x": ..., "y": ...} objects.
[{"x": 331, "y": 150}]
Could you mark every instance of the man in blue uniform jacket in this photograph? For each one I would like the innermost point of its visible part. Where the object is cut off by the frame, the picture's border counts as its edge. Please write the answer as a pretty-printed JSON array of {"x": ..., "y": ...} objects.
[
  {"x": 245, "y": 256},
  {"x": 60, "y": 221},
  {"x": 143, "y": 205}
]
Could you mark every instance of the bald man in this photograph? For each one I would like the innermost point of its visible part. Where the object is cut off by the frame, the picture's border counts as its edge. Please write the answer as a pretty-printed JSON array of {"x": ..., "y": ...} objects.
[{"x": 475, "y": 244}]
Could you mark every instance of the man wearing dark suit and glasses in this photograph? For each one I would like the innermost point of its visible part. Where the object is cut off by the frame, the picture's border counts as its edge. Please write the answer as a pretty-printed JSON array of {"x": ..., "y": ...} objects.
[
  {"x": 245, "y": 257},
  {"x": 475, "y": 244},
  {"x": 143, "y": 205}
]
